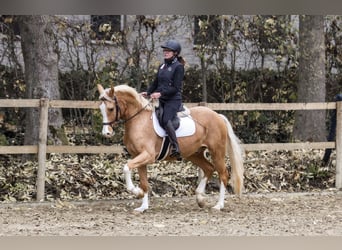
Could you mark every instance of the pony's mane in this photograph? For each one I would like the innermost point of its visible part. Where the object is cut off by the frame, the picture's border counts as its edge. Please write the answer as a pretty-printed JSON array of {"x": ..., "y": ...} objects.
[{"x": 131, "y": 91}]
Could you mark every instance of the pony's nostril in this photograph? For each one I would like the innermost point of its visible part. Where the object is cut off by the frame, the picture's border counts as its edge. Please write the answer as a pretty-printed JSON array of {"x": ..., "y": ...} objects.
[{"x": 107, "y": 134}]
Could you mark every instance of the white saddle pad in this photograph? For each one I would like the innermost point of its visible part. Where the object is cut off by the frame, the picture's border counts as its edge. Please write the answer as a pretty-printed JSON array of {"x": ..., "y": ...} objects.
[{"x": 186, "y": 127}]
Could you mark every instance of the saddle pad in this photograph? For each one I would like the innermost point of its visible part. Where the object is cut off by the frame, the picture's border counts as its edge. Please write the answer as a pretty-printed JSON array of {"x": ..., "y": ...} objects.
[{"x": 186, "y": 127}]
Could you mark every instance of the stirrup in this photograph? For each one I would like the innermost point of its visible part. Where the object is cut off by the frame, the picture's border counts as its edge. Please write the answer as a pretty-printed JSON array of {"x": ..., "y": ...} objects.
[{"x": 175, "y": 154}]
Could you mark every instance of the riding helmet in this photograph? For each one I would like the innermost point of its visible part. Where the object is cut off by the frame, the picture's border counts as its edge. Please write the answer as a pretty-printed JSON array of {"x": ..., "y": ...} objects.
[{"x": 172, "y": 45}]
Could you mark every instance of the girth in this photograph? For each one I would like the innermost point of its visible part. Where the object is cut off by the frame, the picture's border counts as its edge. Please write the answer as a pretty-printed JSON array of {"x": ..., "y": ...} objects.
[{"x": 164, "y": 149}]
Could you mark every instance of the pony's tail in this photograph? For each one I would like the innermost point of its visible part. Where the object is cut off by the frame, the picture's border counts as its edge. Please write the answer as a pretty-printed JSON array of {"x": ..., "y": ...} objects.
[{"x": 236, "y": 154}]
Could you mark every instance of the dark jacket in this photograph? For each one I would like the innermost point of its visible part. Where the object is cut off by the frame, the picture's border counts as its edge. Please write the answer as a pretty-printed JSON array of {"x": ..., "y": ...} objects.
[{"x": 168, "y": 81}]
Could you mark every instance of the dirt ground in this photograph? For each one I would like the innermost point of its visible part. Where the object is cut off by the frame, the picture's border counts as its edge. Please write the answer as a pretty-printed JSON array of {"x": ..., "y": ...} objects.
[{"x": 272, "y": 214}]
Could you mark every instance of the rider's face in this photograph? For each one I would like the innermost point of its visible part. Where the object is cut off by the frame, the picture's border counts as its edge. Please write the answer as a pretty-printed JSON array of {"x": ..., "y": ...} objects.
[{"x": 168, "y": 53}]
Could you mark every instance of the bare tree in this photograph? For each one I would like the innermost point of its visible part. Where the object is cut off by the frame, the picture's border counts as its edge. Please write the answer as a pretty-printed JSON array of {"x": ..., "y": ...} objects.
[
  {"x": 310, "y": 125},
  {"x": 41, "y": 74}
]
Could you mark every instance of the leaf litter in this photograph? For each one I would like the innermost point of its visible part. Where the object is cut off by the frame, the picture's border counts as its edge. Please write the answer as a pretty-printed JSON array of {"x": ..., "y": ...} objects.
[{"x": 96, "y": 177}]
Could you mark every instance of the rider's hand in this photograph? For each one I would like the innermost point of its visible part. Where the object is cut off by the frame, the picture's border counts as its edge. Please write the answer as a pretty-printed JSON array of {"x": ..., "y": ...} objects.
[
  {"x": 144, "y": 94},
  {"x": 155, "y": 95}
]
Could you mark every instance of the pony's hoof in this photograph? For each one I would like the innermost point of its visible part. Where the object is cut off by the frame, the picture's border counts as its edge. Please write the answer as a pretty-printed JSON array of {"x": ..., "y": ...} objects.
[
  {"x": 201, "y": 201},
  {"x": 137, "y": 191},
  {"x": 217, "y": 207},
  {"x": 139, "y": 210}
]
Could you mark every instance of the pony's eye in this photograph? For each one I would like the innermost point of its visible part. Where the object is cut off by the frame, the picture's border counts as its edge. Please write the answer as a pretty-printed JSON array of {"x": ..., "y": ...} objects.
[{"x": 111, "y": 109}]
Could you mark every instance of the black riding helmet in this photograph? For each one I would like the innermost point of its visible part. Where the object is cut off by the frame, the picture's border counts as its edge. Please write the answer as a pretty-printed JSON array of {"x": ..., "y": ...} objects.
[{"x": 172, "y": 45}]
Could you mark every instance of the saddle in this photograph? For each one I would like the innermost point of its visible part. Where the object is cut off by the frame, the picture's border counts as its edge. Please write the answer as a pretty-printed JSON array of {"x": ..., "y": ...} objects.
[
  {"x": 183, "y": 112},
  {"x": 183, "y": 123}
]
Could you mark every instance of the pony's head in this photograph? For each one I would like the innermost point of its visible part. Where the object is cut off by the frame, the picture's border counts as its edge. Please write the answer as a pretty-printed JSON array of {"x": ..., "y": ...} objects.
[{"x": 111, "y": 110}]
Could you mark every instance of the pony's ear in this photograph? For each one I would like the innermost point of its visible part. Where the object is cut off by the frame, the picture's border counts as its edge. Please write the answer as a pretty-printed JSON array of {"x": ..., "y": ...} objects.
[
  {"x": 100, "y": 89},
  {"x": 111, "y": 92}
]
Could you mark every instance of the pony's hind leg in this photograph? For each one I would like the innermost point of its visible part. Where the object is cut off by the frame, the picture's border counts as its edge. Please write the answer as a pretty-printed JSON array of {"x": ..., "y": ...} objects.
[
  {"x": 220, "y": 167},
  {"x": 208, "y": 169}
]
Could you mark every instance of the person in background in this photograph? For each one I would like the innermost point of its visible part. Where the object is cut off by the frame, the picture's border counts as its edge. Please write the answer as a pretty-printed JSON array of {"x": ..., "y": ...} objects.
[
  {"x": 167, "y": 87},
  {"x": 332, "y": 131}
]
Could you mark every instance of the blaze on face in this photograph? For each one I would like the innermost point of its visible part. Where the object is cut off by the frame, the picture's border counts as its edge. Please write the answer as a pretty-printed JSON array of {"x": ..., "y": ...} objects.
[{"x": 108, "y": 110}]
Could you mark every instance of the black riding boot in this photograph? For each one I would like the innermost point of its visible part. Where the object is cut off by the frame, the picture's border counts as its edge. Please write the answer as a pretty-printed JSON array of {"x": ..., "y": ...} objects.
[{"x": 173, "y": 139}]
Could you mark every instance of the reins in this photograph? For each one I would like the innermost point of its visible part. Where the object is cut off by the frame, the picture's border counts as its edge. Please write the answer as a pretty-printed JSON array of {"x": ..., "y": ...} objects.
[{"x": 136, "y": 113}]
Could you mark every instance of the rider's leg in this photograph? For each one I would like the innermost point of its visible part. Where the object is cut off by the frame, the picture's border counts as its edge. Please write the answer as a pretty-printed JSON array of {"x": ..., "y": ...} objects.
[{"x": 173, "y": 139}]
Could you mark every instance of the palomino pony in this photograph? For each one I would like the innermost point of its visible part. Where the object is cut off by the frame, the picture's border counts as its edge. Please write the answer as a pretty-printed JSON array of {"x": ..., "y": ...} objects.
[{"x": 212, "y": 132}]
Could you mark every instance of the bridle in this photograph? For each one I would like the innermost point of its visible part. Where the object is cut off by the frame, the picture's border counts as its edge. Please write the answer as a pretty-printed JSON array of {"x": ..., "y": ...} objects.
[{"x": 118, "y": 111}]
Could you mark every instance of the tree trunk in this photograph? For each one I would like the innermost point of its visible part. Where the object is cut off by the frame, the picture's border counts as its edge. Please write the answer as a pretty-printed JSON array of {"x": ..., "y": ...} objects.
[
  {"x": 41, "y": 75},
  {"x": 204, "y": 80},
  {"x": 310, "y": 124}
]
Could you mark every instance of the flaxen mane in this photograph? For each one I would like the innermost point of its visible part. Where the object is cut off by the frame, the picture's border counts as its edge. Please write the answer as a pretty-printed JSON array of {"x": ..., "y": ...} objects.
[{"x": 125, "y": 89}]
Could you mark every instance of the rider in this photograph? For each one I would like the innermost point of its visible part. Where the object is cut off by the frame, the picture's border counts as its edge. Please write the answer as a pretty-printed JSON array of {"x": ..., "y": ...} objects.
[{"x": 167, "y": 87}]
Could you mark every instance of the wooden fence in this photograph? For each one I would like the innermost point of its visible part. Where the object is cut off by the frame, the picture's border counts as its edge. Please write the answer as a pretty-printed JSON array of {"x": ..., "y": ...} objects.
[{"x": 44, "y": 105}]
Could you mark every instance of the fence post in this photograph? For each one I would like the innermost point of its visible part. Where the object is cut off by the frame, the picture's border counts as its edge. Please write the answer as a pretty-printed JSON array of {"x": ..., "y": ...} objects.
[
  {"x": 43, "y": 126},
  {"x": 338, "y": 180}
]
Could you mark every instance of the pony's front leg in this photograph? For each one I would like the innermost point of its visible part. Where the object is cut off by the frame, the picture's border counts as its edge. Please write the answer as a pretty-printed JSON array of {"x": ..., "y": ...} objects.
[
  {"x": 129, "y": 184},
  {"x": 141, "y": 192}
]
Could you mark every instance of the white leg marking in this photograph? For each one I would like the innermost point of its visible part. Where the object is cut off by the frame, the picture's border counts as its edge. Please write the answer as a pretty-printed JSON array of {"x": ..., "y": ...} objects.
[
  {"x": 200, "y": 175},
  {"x": 128, "y": 179},
  {"x": 220, "y": 203},
  {"x": 130, "y": 187},
  {"x": 144, "y": 204},
  {"x": 137, "y": 191},
  {"x": 200, "y": 190},
  {"x": 201, "y": 186}
]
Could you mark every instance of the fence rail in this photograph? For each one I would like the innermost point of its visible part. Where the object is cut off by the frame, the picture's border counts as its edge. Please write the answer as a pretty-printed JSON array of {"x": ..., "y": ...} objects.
[{"x": 44, "y": 105}]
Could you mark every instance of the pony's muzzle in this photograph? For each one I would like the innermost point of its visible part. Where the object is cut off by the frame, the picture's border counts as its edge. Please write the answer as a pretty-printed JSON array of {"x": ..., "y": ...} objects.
[{"x": 107, "y": 131}]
